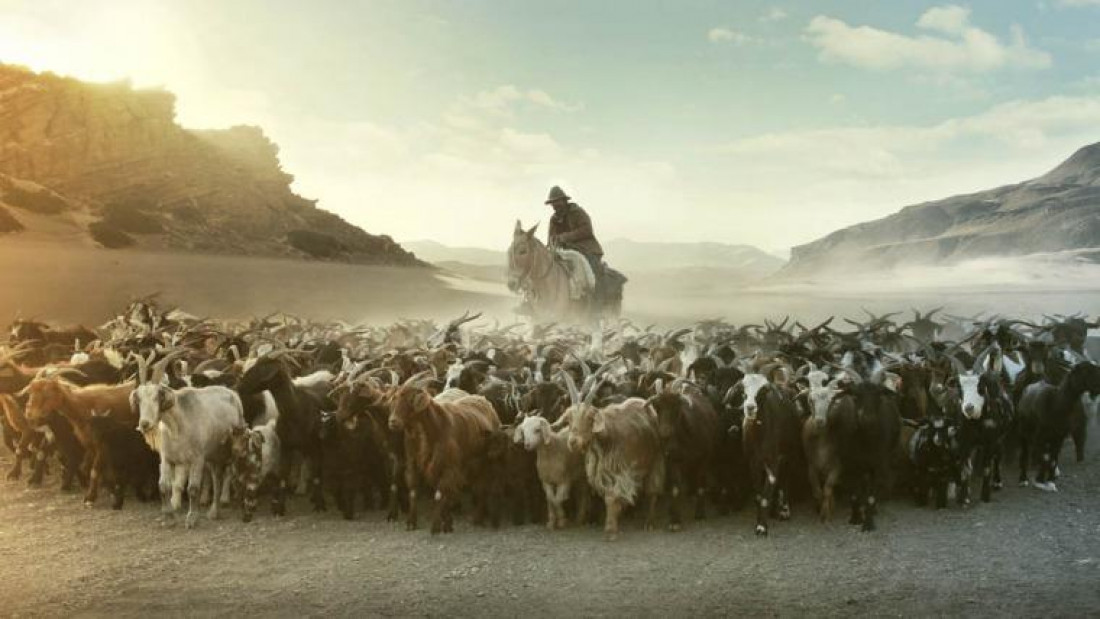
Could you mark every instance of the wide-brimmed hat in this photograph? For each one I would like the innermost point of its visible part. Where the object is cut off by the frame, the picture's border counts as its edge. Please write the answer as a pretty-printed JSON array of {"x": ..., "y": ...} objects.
[{"x": 556, "y": 194}]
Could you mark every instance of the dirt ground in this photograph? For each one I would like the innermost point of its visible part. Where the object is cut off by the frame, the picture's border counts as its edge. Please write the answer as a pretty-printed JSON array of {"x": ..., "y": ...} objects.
[{"x": 1027, "y": 553}]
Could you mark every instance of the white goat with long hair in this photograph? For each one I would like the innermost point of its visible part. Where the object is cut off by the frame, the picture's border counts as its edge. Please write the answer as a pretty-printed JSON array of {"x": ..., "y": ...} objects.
[{"x": 189, "y": 428}]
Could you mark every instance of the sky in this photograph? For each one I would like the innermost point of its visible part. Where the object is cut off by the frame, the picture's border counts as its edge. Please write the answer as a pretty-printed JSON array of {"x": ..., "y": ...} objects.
[{"x": 757, "y": 122}]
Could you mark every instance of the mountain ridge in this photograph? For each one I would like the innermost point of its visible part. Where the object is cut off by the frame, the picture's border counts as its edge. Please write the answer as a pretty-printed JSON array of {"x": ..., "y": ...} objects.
[
  {"x": 113, "y": 161},
  {"x": 1057, "y": 211}
]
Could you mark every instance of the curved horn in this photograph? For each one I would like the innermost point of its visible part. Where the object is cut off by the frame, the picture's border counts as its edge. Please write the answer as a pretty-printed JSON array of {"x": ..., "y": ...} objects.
[
  {"x": 161, "y": 366},
  {"x": 416, "y": 378},
  {"x": 574, "y": 395}
]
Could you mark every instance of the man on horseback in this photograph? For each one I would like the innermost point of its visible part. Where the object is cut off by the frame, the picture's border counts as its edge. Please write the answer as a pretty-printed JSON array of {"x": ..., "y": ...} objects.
[{"x": 571, "y": 228}]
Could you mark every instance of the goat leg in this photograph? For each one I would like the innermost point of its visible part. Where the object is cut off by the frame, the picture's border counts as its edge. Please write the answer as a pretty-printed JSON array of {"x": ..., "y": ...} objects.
[
  {"x": 611, "y": 524},
  {"x": 282, "y": 485},
  {"x": 870, "y": 505},
  {"x": 194, "y": 491},
  {"x": 675, "y": 478},
  {"x": 217, "y": 478},
  {"x": 317, "y": 492},
  {"x": 94, "y": 479}
]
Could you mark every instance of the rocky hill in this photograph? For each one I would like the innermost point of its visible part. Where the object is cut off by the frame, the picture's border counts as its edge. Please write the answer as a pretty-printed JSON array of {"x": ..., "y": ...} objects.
[
  {"x": 1058, "y": 211},
  {"x": 111, "y": 162}
]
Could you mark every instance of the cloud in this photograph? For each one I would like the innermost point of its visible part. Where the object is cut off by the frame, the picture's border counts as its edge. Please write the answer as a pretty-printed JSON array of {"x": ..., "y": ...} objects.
[
  {"x": 1074, "y": 3},
  {"x": 954, "y": 45},
  {"x": 823, "y": 179},
  {"x": 774, "y": 14},
  {"x": 725, "y": 35},
  {"x": 950, "y": 19},
  {"x": 503, "y": 100},
  {"x": 464, "y": 177}
]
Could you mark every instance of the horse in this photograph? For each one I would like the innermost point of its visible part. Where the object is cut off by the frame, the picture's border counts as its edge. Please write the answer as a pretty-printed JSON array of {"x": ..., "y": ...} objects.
[{"x": 534, "y": 270}]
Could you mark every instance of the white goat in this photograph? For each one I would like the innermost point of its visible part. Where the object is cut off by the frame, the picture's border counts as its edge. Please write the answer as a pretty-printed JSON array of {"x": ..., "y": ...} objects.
[
  {"x": 560, "y": 469},
  {"x": 189, "y": 428}
]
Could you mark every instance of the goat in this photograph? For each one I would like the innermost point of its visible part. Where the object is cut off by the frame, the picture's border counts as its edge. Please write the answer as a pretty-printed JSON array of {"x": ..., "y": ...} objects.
[
  {"x": 46, "y": 395},
  {"x": 299, "y": 424},
  {"x": 822, "y": 456},
  {"x": 347, "y": 445},
  {"x": 1046, "y": 413},
  {"x": 560, "y": 469},
  {"x": 867, "y": 429},
  {"x": 622, "y": 452},
  {"x": 190, "y": 429},
  {"x": 510, "y": 474},
  {"x": 255, "y": 456},
  {"x": 771, "y": 434},
  {"x": 127, "y": 459},
  {"x": 444, "y": 436},
  {"x": 687, "y": 425}
]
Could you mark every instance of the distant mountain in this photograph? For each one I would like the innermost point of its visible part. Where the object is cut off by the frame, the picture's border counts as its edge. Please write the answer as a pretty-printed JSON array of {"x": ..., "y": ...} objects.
[
  {"x": 1056, "y": 212},
  {"x": 435, "y": 252},
  {"x": 107, "y": 164},
  {"x": 630, "y": 257}
]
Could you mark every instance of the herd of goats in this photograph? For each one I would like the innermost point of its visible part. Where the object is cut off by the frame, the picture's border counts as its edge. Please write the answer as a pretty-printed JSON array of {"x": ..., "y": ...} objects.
[{"x": 543, "y": 422}]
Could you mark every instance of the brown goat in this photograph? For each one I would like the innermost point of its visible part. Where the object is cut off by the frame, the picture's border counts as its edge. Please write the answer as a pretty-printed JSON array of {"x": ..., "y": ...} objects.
[
  {"x": 444, "y": 438},
  {"x": 623, "y": 456},
  {"x": 76, "y": 404}
]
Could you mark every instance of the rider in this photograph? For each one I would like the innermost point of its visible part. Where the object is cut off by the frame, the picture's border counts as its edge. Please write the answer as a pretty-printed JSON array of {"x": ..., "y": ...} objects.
[{"x": 571, "y": 228}]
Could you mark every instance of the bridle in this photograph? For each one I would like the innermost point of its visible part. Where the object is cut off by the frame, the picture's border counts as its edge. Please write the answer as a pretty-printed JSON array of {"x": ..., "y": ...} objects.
[{"x": 526, "y": 275}]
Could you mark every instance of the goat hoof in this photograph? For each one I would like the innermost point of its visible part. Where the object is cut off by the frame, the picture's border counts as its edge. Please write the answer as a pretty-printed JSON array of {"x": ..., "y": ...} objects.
[
  {"x": 246, "y": 518},
  {"x": 1024, "y": 483},
  {"x": 12, "y": 476},
  {"x": 868, "y": 527},
  {"x": 611, "y": 536},
  {"x": 785, "y": 513},
  {"x": 674, "y": 528},
  {"x": 191, "y": 521},
  {"x": 997, "y": 485},
  {"x": 88, "y": 504},
  {"x": 761, "y": 530}
]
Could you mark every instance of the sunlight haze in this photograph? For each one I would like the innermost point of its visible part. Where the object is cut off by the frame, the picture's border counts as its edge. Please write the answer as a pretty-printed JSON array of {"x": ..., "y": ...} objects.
[{"x": 766, "y": 123}]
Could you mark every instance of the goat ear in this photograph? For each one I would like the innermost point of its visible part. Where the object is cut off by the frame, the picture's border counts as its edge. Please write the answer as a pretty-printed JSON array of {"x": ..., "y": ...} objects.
[
  {"x": 531, "y": 232},
  {"x": 599, "y": 426},
  {"x": 421, "y": 401},
  {"x": 257, "y": 439},
  {"x": 519, "y": 226}
]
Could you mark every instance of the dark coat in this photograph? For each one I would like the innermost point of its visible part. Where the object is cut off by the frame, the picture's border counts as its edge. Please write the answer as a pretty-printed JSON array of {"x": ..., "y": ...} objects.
[{"x": 571, "y": 228}]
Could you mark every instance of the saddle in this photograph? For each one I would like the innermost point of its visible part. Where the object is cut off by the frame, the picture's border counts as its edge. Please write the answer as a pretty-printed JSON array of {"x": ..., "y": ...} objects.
[
  {"x": 605, "y": 287},
  {"x": 582, "y": 281}
]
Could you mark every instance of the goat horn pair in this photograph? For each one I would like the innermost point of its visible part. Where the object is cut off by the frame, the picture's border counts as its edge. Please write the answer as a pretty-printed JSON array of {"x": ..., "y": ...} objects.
[{"x": 143, "y": 366}]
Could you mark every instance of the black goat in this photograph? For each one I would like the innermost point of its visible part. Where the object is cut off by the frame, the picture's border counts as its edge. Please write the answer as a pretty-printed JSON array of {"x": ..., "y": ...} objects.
[
  {"x": 128, "y": 460},
  {"x": 298, "y": 427},
  {"x": 1046, "y": 415}
]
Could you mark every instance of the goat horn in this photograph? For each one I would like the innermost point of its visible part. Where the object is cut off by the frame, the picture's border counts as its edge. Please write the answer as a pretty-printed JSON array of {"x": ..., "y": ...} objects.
[
  {"x": 416, "y": 378},
  {"x": 574, "y": 395},
  {"x": 161, "y": 366}
]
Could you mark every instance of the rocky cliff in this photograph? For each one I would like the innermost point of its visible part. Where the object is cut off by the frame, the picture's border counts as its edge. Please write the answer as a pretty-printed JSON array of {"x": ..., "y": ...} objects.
[
  {"x": 1056, "y": 212},
  {"x": 113, "y": 159}
]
